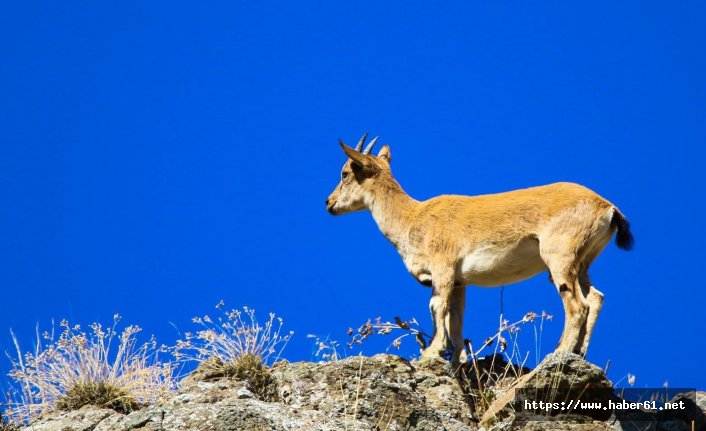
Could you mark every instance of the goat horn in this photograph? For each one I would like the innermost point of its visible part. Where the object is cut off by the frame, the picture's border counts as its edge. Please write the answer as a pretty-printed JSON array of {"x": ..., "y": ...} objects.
[
  {"x": 361, "y": 142},
  {"x": 370, "y": 145}
]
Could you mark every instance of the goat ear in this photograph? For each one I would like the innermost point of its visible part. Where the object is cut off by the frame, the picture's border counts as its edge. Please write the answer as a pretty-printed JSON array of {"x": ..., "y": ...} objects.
[
  {"x": 385, "y": 153},
  {"x": 357, "y": 157}
]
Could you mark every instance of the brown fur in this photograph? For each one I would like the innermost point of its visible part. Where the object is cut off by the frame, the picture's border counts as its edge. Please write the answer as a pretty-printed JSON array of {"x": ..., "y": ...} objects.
[{"x": 452, "y": 241}]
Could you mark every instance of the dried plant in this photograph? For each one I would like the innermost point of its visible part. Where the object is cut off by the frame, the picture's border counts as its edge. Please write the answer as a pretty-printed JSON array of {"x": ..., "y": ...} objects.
[
  {"x": 258, "y": 377},
  {"x": 410, "y": 327},
  {"x": 5, "y": 426},
  {"x": 512, "y": 330},
  {"x": 478, "y": 374},
  {"x": 237, "y": 345},
  {"x": 99, "y": 367},
  {"x": 325, "y": 349},
  {"x": 505, "y": 365},
  {"x": 231, "y": 336}
]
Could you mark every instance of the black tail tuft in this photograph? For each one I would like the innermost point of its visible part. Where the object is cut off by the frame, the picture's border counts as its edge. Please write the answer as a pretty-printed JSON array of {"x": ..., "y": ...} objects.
[{"x": 624, "y": 238}]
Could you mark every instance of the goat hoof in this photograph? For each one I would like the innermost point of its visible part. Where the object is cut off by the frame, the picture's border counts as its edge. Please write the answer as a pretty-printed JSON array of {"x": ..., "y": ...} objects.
[
  {"x": 434, "y": 363},
  {"x": 431, "y": 355}
]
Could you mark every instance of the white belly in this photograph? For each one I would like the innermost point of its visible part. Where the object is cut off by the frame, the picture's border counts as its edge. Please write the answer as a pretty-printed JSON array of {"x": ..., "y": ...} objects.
[{"x": 491, "y": 265}]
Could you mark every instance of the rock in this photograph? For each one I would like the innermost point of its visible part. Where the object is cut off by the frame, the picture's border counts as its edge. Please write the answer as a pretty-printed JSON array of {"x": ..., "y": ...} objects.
[
  {"x": 84, "y": 419},
  {"x": 695, "y": 409},
  {"x": 559, "y": 378},
  {"x": 244, "y": 393},
  {"x": 566, "y": 377},
  {"x": 382, "y": 392},
  {"x": 563, "y": 423},
  {"x": 208, "y": 370},
  {"x": 568, "y": 371}
]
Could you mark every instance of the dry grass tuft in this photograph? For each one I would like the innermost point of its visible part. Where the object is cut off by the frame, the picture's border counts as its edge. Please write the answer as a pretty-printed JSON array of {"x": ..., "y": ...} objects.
[
  {"x": 100, "y": 367},
  {"x": 258, "y": 377},
  {"x": 99, "y": 394},
  {"x": 235, "y": 334},
  {"x": 237, "y": 345}
]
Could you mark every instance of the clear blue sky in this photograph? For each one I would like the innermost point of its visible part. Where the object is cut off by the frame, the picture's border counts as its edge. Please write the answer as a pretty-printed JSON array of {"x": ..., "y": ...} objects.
[{"x": 156, "y": 157}]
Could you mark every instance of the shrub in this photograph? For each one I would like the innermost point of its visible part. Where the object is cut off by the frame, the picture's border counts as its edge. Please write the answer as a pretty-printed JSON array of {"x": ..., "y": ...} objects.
[
  {"x": 237, "y": 345},
  {"x": 100, "y": 368}
]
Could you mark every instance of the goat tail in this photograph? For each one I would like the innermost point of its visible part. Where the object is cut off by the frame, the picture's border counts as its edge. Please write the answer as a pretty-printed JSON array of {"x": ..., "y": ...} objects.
[{"x": 624, "y": 239}]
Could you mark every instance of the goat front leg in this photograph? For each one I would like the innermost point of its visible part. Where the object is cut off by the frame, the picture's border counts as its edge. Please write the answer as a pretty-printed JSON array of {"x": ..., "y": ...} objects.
[
  {"x": 446, "y": 307},
  {"x": 438, "y": 307},
  {"x": 454, "y": 324}
]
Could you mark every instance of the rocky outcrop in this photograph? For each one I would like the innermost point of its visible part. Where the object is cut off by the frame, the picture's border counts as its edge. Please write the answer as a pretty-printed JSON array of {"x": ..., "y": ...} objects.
[
  {"x": 561, "y": 377},
  {"x": 382, "y": 392}
]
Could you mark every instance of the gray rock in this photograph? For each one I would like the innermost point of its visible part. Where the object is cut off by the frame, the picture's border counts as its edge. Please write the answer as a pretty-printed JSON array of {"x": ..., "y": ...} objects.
[
  {"x": 83, "y": 419},
  {"x": 244, "y": 393},
  {"x": 695, "y": 409},
  {"x": 559, "y": 378},
  {"x": 382, "y": 392},
  {"x": 569, "y": 371}
]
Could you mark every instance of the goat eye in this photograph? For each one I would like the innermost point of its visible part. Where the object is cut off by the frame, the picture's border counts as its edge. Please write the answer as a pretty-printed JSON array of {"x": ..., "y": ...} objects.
[{"x": 344, "y": 175}]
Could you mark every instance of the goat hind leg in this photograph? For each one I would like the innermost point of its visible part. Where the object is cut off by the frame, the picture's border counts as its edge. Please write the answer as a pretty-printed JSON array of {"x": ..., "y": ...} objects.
[
  {"x": 594, "y": 298},
  {"x": 576, "y": 310},
  {"x": 575, "y": 306}
]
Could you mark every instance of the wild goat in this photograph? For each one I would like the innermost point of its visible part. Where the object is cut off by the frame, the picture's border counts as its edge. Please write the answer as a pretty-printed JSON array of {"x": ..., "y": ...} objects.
[{"x": 449, "y": 242}]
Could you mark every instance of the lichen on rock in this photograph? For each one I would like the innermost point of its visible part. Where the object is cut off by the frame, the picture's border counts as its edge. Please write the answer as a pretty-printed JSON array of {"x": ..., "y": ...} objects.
[{"x": 383, "y": 392}]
